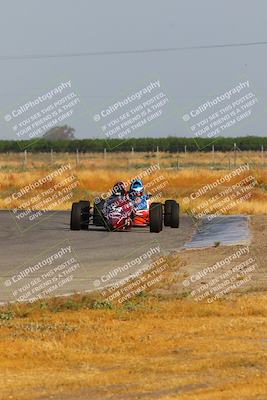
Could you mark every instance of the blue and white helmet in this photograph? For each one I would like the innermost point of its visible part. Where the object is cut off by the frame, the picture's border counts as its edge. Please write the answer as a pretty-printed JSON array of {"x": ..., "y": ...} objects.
[{"x": 137, "y": 187}]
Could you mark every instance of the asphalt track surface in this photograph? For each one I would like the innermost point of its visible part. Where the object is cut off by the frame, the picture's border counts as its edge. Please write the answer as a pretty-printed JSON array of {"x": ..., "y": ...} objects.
[{"x": 97, "y": 253}]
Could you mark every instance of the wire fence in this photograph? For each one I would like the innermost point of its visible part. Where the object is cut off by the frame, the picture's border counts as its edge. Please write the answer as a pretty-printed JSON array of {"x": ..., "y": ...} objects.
[{"x": 216, "y": 160}]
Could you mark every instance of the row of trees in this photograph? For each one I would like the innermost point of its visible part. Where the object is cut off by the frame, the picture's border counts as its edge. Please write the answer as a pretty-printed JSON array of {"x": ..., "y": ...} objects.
[{"x": 170, "y": 144}]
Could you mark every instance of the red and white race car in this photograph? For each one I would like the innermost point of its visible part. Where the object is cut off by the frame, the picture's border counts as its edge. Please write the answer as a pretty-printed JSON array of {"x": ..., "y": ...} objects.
[{"x": 118, "y": 214}]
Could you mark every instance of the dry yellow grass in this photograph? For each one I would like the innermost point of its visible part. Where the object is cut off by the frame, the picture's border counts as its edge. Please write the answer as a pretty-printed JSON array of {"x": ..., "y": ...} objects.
[
  {"x": 96, "y": 175},
  {"x": 172, "y": 349}
]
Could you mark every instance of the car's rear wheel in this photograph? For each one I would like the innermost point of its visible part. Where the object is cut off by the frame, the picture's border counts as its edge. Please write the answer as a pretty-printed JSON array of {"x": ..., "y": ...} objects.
[
  {"x": 155, "y": 217},
  {"x": 85, "y": 214},
  {"x": 168, "y": 212},
  {"x": 175, "y": 218},
  {"x": 76, "y": 217},
  {"x": 98, "y": 218}
]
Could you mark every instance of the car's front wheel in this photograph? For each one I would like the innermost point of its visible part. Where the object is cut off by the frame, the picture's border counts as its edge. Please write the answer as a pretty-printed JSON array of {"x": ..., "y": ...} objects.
[
  {"x": 168, "y": 212},
  {"x": 76, "y": 217},
  {"x": 155, "y": 217},
  {"x": 175, "y": 218},
  {"x": 85, "y": 214}
]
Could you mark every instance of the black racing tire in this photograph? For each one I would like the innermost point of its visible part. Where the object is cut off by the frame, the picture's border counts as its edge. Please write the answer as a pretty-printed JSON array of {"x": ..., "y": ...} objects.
[
  {"x": 76, "y": 217},
  {"x": 167, "y": 212},
  {"x": 155, "y": 217},
  {"x": 85, "y": 214},
  {"x": 98, "y": 218},
  {"x": 175, "y": 217}
]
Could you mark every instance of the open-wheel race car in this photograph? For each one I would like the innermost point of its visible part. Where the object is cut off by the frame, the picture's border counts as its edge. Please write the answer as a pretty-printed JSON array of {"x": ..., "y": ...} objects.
[{"x": 120, "y": 214}]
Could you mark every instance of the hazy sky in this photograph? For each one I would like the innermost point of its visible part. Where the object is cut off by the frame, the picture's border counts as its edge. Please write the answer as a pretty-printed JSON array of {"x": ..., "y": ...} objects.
[{"x": 189, "y": 77}]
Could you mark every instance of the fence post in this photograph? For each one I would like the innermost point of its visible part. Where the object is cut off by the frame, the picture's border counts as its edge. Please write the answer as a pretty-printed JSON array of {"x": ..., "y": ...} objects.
[
  {"x": 213, "y": 156},
  {"x": 77, "y": 157},
  {"x": 51, "y": 155},
  {"x": 105, "y": 153},
  {"x": 234, "y": 154},
  {"x": 25, "y": 158},
  {"x": 262, "y": 156}
]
